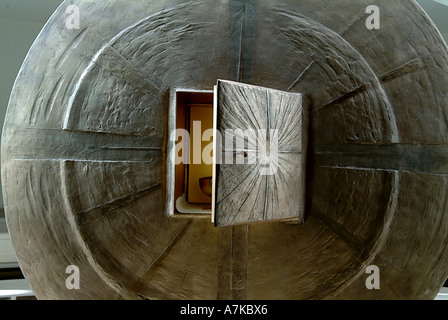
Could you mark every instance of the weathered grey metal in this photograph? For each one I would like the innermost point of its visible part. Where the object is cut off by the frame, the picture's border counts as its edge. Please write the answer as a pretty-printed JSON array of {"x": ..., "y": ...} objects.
[
  {"x": 264, "y": 178},
  {"x": 84, "y": 147}
]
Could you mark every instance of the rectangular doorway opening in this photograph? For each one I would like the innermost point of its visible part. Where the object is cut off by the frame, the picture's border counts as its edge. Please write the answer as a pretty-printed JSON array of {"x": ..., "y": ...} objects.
[
  {"x": 227, "y": 147},
  {"x": 191, "y": 115}
]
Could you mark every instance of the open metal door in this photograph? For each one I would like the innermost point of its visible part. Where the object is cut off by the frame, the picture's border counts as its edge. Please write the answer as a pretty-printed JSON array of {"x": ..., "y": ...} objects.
[{"x": 259, "y": 172}]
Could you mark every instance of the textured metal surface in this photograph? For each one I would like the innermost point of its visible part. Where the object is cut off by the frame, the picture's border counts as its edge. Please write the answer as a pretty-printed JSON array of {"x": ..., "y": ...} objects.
[
  {"x": 83, "y": 151},
  {"x": 264, "y": 179}
]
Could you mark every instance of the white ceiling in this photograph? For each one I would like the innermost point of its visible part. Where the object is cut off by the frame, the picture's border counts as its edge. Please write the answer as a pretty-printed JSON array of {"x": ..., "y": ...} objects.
[{"x": 444, "y": 2}]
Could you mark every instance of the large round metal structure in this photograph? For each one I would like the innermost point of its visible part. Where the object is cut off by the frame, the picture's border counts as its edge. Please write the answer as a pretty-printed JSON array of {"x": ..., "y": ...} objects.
[{"x": 84, "y": 148}]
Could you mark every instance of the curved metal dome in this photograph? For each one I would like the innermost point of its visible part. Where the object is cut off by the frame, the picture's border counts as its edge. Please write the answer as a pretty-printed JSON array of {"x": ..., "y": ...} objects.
[{"x": 84, "y": 147}]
